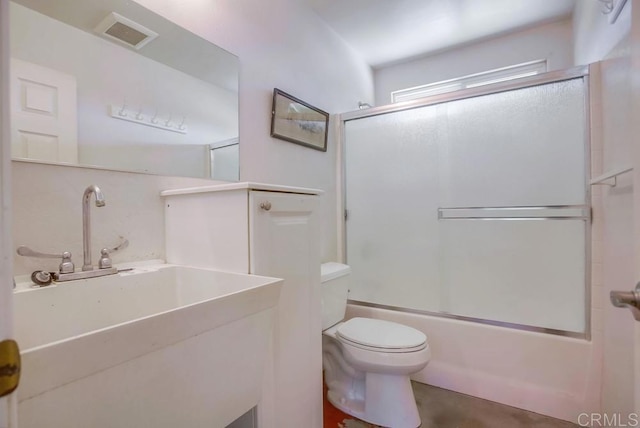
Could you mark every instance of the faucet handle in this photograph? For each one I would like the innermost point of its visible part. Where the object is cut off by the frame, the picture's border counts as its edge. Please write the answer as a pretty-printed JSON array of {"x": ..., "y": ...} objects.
[
  {"x": 105, "y": 260},
  {"x": 124, "y": 243},
  {"x": 66, "y": 266}
]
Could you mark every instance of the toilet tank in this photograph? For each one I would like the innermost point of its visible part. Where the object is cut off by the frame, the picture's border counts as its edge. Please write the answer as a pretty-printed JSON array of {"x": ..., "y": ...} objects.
[{"x": 335, "y": 289}]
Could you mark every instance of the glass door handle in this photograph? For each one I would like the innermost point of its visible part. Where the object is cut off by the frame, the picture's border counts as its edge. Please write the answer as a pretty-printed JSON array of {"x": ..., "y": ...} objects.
[{"x": 627, "y": 299}]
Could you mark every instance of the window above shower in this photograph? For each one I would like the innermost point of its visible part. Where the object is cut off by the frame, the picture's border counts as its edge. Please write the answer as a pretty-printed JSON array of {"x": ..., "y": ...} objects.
[{"x": 475, "y": 80}]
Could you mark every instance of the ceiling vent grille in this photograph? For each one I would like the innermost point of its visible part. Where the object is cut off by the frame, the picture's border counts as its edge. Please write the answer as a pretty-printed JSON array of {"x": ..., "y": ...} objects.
[{"x": 125, "y": 31}]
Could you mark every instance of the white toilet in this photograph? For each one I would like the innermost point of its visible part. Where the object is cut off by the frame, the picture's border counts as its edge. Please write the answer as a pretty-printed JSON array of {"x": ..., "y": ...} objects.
[{"x": 367, "y": 362}]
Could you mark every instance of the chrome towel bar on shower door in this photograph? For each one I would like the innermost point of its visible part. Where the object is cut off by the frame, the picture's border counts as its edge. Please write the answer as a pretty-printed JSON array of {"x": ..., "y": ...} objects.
[{"x": 563, "y": 212}]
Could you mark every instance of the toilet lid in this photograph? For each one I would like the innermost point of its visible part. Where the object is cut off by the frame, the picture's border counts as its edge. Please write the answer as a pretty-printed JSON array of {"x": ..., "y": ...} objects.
[{"x": 381, "y": 334}]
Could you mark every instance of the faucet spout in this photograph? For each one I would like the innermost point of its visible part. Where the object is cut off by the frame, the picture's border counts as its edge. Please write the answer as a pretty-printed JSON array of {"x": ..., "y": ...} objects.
[{"x": 86, "y": 223}]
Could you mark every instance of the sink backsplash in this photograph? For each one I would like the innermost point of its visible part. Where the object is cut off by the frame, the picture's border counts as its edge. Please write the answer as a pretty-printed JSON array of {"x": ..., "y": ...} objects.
[{"x": 47, "y": 213}]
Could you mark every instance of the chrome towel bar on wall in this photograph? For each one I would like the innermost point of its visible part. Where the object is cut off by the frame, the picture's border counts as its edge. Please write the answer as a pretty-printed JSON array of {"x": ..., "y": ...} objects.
[{"x": 605, "y": 179}]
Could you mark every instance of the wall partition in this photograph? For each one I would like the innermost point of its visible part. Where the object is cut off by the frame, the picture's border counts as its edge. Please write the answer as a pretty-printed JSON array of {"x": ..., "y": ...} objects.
[{"x": 474, "y": 205}]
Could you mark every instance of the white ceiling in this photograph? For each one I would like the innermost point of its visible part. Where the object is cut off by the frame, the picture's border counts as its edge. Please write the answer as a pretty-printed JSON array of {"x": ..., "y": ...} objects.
[{"x": 386, "y": 31}]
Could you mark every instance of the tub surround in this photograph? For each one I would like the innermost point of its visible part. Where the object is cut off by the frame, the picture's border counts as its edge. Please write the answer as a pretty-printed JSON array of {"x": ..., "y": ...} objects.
[{"x": 542, "y": 373}]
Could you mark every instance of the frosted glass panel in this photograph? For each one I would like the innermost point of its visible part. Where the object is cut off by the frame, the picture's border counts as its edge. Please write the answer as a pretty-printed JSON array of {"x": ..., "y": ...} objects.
[
  {"x": 419, "y": 183},
  {"x": 527, "y": 272},
  {"x": 392, "y": 175},
  {"x": 517, "y": 148}
]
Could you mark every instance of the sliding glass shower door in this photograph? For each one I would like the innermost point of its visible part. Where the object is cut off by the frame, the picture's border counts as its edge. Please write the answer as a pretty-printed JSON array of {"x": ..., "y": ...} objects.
[{"x": 475, "y": 207}]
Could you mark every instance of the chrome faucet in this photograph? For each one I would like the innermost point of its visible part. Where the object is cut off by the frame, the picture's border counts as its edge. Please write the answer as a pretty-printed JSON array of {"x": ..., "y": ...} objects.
[
  {"x": 86, "y": 223},
  {"x": 67, "y": 269}
]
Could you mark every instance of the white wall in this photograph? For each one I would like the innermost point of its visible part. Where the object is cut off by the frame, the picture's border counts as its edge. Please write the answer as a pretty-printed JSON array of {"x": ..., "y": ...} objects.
[
  {"x": 552, "y": 42},
  {"x": 593, "y": 36},
  {"x": 109, "y": 74},
  {"x": 280, "y": 44},
  {"x": 48, "y": 212},
  {"x": 612, "y": 242},
  {"x": 617, "y": 222}
]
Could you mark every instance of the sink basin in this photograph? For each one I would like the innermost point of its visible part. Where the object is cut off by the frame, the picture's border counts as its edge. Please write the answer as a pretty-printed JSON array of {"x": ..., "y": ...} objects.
[{"x": 159, "y": 345}]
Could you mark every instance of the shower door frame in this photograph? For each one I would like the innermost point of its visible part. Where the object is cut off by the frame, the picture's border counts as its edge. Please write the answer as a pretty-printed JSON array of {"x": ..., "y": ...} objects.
[{"x": 581, "y": 72}]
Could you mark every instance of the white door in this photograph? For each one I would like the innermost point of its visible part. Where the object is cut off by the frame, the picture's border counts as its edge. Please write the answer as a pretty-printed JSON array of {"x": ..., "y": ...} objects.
[
  {"x": 43, "y": 113},
  {"x": 635, "y": 91},
  {"x": 7, "y": 404},
  {"x": 284, "y": 242}
]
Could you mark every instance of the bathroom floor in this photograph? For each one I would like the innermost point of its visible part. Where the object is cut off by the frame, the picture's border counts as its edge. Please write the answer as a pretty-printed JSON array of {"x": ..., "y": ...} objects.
[{"x": 441, "y": 408}]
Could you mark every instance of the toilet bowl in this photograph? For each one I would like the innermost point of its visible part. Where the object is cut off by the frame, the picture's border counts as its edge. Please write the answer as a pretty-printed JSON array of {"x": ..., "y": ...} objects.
[{"x": 367, "y": 362}]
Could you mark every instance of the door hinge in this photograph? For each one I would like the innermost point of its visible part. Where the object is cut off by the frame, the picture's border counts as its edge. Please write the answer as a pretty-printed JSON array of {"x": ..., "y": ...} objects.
[
  {"x": 9, "y": 366},
  {"x": 346, "y": 215}
]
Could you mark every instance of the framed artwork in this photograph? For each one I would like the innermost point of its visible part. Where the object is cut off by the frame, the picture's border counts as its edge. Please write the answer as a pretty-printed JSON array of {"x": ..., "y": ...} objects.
[{"x": 295, "y": 121}]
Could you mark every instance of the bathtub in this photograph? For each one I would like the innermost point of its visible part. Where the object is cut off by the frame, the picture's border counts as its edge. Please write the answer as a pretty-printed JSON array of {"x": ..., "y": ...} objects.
[{"x": 551, "y": 375}]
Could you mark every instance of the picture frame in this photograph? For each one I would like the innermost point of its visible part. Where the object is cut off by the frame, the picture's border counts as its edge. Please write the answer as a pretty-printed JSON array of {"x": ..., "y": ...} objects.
[{"x": 298, "y": 122}]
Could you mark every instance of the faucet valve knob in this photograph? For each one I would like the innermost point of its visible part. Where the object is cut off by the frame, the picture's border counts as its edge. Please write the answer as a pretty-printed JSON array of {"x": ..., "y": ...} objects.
[
  {"x": 66, "y": 266},
  {"x": 105, "y": 260}
]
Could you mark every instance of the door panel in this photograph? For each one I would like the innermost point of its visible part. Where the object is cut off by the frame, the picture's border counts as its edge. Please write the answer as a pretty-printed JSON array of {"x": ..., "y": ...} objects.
[
  {"x": 43, "y": 113},
  {"x": 635, "y": 109},
  {"x": 7, "y": 404},
  {"x": 284, "y": 244}
]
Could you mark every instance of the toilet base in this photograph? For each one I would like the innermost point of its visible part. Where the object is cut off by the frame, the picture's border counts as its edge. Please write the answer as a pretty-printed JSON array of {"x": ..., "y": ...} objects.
[{"x": 381, "y": 399}]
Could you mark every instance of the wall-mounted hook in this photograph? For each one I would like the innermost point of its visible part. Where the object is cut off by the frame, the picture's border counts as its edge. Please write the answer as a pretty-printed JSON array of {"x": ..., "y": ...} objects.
[
  {"x": 606, "y": 6},
  {"x": 138, "y": 117},
  {"x": 123, "y": 110}
]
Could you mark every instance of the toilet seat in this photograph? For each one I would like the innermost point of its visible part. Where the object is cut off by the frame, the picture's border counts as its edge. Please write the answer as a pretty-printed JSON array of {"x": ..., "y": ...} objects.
[{"x": 380, "y": 336}]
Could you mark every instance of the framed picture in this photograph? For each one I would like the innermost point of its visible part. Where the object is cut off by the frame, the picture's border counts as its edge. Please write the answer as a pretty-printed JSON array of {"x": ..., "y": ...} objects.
[{"x": 295, "y": 121}]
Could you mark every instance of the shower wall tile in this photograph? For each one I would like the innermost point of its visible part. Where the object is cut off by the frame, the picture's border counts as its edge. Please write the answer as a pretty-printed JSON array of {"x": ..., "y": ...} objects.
[
  {"x": 596, "y": 196},
  {"x": 597, "y": 315},
  {"x": 596, "y": 251},
  {"x": 616, "y": 212},
  {"x": 596, "y": 162},
  {"x": 597, "y": 297},
  {"x": 596, "y": 275},
  {"x": 597, "y": 225},
  {"x": 597, "y": 229}
]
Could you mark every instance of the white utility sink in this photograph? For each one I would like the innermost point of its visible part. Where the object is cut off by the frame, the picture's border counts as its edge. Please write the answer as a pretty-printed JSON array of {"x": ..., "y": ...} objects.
[{"x": 160, "y": 345}]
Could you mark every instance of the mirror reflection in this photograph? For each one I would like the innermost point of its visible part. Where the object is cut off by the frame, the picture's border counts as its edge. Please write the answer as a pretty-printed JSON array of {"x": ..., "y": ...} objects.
[{"x": 113, "y": 85}]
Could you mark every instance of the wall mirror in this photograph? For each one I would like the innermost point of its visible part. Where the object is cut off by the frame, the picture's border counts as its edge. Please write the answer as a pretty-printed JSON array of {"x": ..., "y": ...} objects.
[{"x": 110, "y": 84}]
